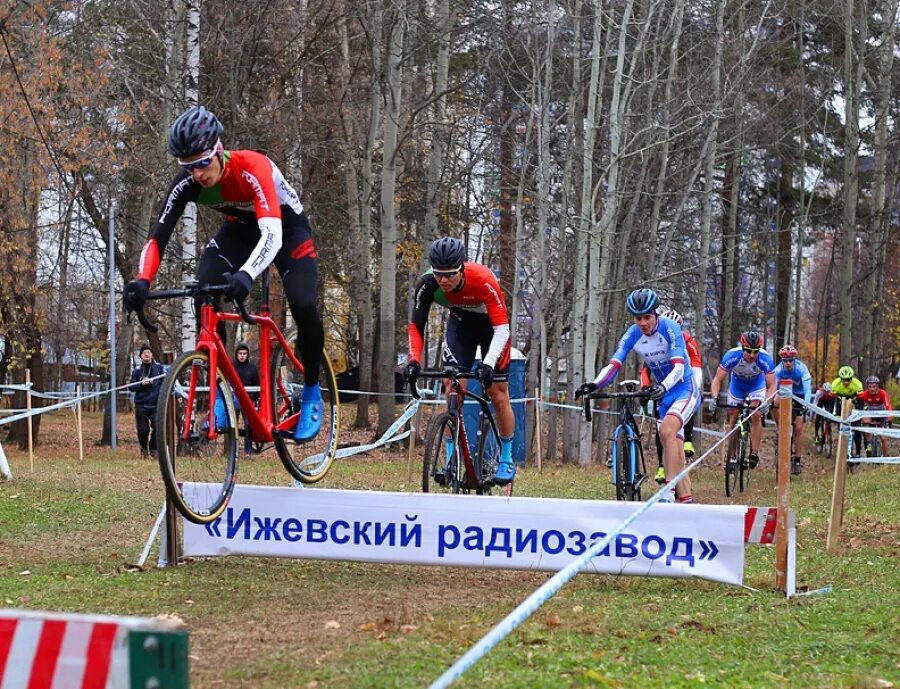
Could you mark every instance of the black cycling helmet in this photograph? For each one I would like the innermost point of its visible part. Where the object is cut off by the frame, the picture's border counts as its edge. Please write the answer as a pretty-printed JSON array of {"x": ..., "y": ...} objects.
[
  {"x": 447, "y": 252},
  {"x": 751, "y": 340},
  {"x": 194, "y": 131},
  {"x": 642, "y": 301}
]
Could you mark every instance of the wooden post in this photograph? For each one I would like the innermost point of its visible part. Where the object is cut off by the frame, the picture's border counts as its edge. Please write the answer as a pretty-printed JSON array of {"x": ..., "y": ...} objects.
[
  {"x": 836, "y": 520},
  {"x": 785, "y": 404},
  {"x": 78, "y": 423},
  {"x": 537, "y": 428},
  {"x": 29, "y": 423}
]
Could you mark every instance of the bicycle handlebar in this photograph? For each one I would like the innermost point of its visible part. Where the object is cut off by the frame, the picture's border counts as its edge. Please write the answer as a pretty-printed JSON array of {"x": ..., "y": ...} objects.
[
  {"x": 193, "y": 289},
  {"x": 599, "y": 395},
  {"x": 450, "y": 372}
]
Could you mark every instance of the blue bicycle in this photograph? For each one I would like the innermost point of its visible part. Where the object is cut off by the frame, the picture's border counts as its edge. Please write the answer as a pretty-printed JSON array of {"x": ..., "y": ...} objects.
[{"x": 629, "y": 473}]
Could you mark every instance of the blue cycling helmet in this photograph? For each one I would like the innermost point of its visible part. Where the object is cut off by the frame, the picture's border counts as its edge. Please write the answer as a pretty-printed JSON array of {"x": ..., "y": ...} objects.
[
  {"x": 447, "y": 252},
  {"x": 196, "y": 130},
  {"x": 642, "y": 301}
]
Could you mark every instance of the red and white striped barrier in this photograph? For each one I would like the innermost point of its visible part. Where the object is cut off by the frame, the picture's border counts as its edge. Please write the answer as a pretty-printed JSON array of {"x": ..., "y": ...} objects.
[
  {"x": 759, "y": 524},
  {"x": 40, "y": 650}
]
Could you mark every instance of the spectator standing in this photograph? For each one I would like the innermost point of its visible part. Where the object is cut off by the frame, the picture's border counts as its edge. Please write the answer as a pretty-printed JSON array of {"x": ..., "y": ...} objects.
[
  {"x": 146, "y": 380},
  {"x": 249, "y": 374}
]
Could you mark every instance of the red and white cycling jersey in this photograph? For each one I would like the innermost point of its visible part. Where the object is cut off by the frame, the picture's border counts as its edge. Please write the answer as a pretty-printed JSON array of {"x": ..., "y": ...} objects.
[
  {"x": 252, "y": 190},
  {"x": 878, "y": 400},
  {"x": 479, "y": 297}
]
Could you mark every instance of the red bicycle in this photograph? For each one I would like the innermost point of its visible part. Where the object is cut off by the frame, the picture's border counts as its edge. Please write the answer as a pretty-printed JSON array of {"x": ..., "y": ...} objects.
[{"x": 197, "y": 417}]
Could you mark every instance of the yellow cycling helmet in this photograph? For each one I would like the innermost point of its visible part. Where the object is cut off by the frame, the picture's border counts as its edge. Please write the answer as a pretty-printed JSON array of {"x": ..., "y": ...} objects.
[{"x": 845, "y": 372}]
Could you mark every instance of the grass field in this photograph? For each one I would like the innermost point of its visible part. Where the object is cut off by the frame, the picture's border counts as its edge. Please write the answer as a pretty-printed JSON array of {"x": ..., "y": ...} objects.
[{"x": 69, "y": 531}]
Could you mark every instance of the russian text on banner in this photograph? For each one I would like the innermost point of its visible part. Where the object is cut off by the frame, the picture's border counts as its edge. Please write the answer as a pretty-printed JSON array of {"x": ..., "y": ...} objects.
[{"x": 506, "y": 533}]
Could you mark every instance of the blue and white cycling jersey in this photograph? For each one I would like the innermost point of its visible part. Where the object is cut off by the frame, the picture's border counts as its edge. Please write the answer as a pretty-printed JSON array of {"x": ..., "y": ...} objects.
[
  {"x": 756, "y": 370},
  {"x": 800, "y": 377},
  {"x": 663, "y": 352}
]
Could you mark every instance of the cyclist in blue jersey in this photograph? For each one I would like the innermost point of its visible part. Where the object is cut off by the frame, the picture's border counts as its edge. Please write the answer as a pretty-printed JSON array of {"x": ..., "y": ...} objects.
[
  {"x": 751, "y": 368},
  {"x": 791, "y": 368},
  {"x": 659, "y": 342}
]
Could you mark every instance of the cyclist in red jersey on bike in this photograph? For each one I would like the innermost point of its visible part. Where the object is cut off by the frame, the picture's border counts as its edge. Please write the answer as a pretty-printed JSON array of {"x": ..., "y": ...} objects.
[
  {"x": 477, "y": 319},
  {"x": 264, "y": 223},
  {"x": 875, "y": 398}
]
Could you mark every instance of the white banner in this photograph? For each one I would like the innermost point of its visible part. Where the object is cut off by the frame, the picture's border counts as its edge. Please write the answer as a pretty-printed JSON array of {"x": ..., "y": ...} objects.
[{"x": 474, "y": 531}]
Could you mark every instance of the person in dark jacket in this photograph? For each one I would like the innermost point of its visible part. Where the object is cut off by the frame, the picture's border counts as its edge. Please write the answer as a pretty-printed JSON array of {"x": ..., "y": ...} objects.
[
  {"x": 146, "y": 380},
  {"x": 249, "y": 375}
]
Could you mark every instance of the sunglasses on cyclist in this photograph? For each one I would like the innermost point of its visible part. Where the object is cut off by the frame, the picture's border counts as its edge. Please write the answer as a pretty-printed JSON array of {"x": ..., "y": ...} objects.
[
  {"x": 445, "y": 274},
  {"x": 199, "y": 164},
  {"x": 751, "y": 350},
  {"x": 846, "y": 380}
]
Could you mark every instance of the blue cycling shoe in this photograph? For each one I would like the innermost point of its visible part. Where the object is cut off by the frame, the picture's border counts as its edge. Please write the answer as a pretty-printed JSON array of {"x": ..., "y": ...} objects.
[
  {"x": 312, "y": 410},
  {"x": 221, "y": 415},
  {"x": 506, "y": 472}
]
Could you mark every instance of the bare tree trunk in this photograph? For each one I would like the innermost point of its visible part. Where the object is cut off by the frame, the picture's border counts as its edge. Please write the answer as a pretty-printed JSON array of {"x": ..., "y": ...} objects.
[
  {"x": 189, "y": 217},
  {"x": 875, "y": 298},
  {"x": 852, "y": 66},
  {"x": 706, "y": 201},
  {"x": 439, "y": 128},
  {"x": 388, "y": 304}
]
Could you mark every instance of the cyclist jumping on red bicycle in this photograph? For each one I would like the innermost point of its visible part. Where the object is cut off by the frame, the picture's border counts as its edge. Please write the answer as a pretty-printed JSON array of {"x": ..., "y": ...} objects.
[
  {"x": 751, "y": 368},
  {"x": 875, "y": 398},
  {"x": 264, "y": 223},
  {"x": 659, "y": 342},
  {"x": 477, "y": 319},
  {"x": 791, "y": 368}
]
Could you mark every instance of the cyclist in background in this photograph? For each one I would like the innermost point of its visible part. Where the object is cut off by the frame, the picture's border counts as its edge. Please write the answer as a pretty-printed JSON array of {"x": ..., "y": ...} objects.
[
  {"x": 875, "y": 398},
  {"x": 264, "y": 223},
  {"x": 847, "y": 387},
  {"x": 791, "y": 368},
  {"x": 824, "y": 399},
  {"x": 477, "y": 319},
  {"x": 659, "y": 342},
  {"x": 693, "y": 352},
  {"x": 751, "y": 369}
]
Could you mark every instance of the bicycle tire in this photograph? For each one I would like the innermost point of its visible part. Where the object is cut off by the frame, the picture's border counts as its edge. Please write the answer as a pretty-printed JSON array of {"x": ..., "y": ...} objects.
[
  {"x": 621, "y": 458},
  {"x": 199, "y": 490},
  {"x": 743, "y": 464},
  {"x": 487, "y": 457},
  {"x": 310, "y": 461},
  {"x": 441, "y": 430},
  {"x": 731, "y": 466}
]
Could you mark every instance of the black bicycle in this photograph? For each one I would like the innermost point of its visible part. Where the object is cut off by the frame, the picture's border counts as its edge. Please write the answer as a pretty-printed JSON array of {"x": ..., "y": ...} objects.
[
  {"x": 449, "y": 465},
  {"x": 737, "y": 464},
  {"x": 629, "y": 472}
]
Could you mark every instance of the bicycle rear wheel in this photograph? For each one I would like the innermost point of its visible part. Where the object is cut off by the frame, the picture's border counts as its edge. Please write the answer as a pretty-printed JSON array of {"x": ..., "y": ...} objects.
[
  {"x": 440, "y": 465},
  {"x": 308, "y": 462},
  {"x": 199, "y": 473},
  {"x": 731, "y": 466}
]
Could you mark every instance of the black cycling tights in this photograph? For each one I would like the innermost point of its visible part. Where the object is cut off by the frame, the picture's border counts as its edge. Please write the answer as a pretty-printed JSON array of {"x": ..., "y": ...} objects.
[{"x": 296, "y": 263}]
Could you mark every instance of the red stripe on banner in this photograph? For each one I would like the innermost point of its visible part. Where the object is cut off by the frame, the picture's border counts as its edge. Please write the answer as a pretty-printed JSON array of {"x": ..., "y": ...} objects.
[
  {"x": 7, "y": 632},
  {"x": 768, "y": 535},
  {"x": 749, "y": 518},
  {"x": 47, "y": 654},
  {"x": 99, "y": 655}
]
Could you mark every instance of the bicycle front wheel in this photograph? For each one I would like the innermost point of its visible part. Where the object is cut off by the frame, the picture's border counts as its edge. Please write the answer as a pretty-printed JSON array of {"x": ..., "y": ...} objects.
[
  {"x": 621, "y": 459},
  {"x": 440, "y": 467},
  {"x": 743, "y": 464},
  {"x": 309, "y": 461},
  {"x": 731, "y": 469},
  {"x": 199, "y": 473}
]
